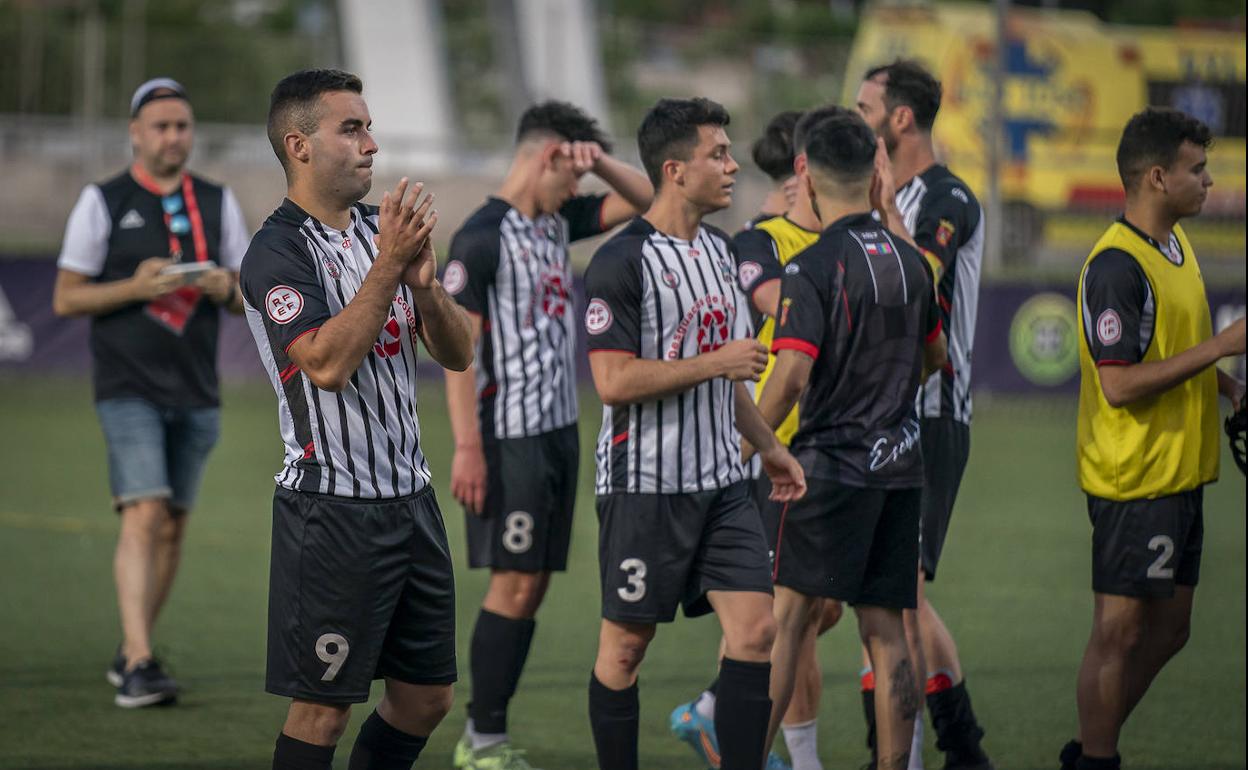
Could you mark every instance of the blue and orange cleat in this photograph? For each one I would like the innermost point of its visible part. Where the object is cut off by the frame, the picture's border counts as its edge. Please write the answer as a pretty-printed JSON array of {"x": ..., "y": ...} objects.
[{"x": 697, "y": 731}]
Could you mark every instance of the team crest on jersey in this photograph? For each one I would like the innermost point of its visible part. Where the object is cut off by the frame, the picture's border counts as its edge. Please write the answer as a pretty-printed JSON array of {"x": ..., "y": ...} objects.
[
  {"x": 455, "y": 277},
  {"x": 670, "y": 279},
  {"x": 748, "y": 273},
  {"x": 944, "y": 233},
  {"x": 283, "y": 304},
  {"x": 784, "y": 310},
  {"x": 1108, "y": 327},
  {"x": 331, "y": 267},
  {"x": 598, "y": 316}
]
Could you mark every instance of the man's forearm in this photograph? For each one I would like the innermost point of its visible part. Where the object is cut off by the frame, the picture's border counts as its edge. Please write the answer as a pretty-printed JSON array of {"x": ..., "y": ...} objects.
[
  {"x": 461, "y": 403},
  {"x": 338, "y": 348},
  {"x": 642, "y": 379},
  {"x": 444, "y": 327},
  {"x": 1123, "y": 385},
  {"x": 632, "y": 185},
  {"x": 751, "y": 424},
  {"x": 93, "y": 298}
]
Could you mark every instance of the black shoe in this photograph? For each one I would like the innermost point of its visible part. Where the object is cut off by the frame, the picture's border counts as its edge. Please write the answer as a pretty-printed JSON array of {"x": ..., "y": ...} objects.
[
  {"x": 1070, "y": 755},
  {"x": 960, "y": 764},
  {"x": 117, "y": 671},
  {"x": 146, "y": 685}
]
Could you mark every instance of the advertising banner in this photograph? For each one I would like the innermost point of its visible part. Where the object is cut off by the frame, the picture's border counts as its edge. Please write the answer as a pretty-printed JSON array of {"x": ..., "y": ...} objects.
[{"x": 1025, "y": 340}]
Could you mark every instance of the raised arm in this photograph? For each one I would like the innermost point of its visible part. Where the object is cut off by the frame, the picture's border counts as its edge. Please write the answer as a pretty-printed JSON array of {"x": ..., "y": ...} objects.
[
  {"x": 330, "y": 354},
  {"x": 631, "y": 189}
]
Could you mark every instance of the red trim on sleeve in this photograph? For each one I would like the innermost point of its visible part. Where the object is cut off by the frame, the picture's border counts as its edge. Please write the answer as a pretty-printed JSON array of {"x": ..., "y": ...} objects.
[
  {"x": 619, "y": 438},
  {"x": 849, "y": 319},
  {"x": 289, "y": 372},
  {"x": 632, "y": 353},
  {"x": 301, "y": 335},
  {"x": 1113, "y": 362},
  {"x": 792, "y": 343},
  {"x": 488, "y": 391},
  {"x": 934, "y": 333}
]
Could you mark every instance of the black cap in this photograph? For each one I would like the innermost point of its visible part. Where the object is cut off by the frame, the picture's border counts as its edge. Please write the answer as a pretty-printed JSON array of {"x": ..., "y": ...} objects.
[{"x": 156, "y": 88}]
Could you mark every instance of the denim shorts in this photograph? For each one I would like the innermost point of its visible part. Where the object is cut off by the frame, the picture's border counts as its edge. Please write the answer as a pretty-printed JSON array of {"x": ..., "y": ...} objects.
[{"x": 156, "y": 451}]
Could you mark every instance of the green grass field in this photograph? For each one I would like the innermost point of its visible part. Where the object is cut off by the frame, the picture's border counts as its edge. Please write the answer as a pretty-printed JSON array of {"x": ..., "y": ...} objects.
[{"x": 1014, "y": 589}]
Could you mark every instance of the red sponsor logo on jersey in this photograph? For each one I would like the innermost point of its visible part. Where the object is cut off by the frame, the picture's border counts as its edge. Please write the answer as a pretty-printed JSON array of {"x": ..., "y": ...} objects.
[
  {"x": 389, "y": 343},
  {"x": 346, "y": 244},
  {"x": 713, "y": 317},
  {"x": 408, "y": 315},
  {"x": 555, "y": 295}
]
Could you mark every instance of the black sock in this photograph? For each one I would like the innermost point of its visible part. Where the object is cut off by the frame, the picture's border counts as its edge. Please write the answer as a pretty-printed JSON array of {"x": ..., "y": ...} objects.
[
  {"x": 1098, "y": 763},
  {"x": 713, "y": 687},
  {"x": 613, "y": 716},
  {"x": 957, "y": 732},
  {"x": 293, "y": 754},
  {"x": 498, "y": 650},
  {"x": 380, "y": 746},
  {"x": 742, "y": 709},
  {"x": 868, "y": 713},
  {"x": 1070, "y": 754}
]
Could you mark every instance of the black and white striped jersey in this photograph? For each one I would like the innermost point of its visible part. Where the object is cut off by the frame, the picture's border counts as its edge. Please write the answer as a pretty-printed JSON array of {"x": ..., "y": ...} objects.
[
  {"x": 947, "y": 223},
  {"x": 663, "y": 298},
  {"x": 513, "y": 272},
  {"x": 363, "y": 442}
]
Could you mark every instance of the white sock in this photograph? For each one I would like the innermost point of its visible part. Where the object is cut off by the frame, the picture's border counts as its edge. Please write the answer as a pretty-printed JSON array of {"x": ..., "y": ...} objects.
[
  {"x": 916, "y": 744},
  {"x": 802, "y": 742},
  {"x": 705, "y": 705},
  {"x": 482, "y": 740}
]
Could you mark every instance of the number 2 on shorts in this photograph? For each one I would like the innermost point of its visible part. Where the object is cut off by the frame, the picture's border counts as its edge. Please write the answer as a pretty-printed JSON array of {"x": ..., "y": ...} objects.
[
  {"x": 636, "y": 570},
  {"x": 1158, "y": 568},
  {"x": 336, "y": 658}
]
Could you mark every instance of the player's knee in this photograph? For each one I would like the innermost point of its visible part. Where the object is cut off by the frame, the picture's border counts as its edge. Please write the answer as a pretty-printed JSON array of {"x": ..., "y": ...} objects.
[
  {"x": 317, "y": 723},
  {"x": 627, "y": 650},
  {"x": 1121, "y": 635},
  {"x": 755, "y": 639},
  {"x": 526, "y": 594},
  {"x": 831, "y": 614},
  {"x": 437, "y": 703},
  {"x": 1179, "y": 636}
]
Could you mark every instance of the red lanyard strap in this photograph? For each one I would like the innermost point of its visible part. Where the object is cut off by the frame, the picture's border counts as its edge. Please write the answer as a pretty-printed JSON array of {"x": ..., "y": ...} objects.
[{"x": 198, "y": 238}]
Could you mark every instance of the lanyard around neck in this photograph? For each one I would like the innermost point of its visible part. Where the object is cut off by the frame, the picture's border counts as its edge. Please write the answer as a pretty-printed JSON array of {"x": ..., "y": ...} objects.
[{"x": 192, "y": 211}]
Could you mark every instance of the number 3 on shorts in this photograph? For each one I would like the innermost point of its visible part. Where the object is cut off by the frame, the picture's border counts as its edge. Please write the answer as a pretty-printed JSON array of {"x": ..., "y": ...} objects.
[
  {"x": 636, "y": 571},
  {"x": 336, "y": 658}
]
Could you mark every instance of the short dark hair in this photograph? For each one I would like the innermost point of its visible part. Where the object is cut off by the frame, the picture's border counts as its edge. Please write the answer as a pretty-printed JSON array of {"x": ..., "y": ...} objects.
[
  {"x": 839, "y": 142},
  {"x": 801, "y": 131},
  {"x": 566, "y": 121},
  {"x": 669, "y": 131},
  {"x": 294, "y": 101},
  {"x": 773, "y": 151},
  {"x": 1152, "y": 137},
  {"x": 910, "y": 84}
]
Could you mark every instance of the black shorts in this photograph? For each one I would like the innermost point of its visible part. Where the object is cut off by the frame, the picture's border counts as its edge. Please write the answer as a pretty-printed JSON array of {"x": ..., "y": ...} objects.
[
  {"x": 849, "y": 543},
  {"x": 657, "y": 552},
  {"x": 769, "y": 511},
  {"x": 529, "y": 499},
  {"x": 1144, "y": 548},
  {"x": 946, "y": 447},
  {"x": 358, "y": 590}
]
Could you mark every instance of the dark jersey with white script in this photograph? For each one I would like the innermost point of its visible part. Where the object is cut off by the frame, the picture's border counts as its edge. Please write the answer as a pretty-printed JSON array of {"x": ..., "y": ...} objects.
[{"x": 860, "y": 303}]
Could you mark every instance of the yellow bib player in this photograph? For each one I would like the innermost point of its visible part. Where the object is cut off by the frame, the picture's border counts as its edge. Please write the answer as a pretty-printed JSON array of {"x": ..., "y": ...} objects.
[{"x": 1148, "y": 430}]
